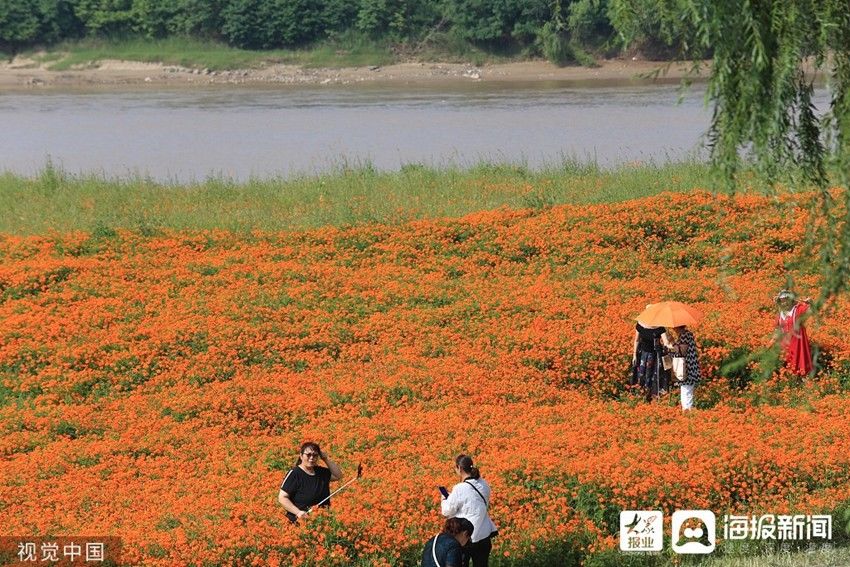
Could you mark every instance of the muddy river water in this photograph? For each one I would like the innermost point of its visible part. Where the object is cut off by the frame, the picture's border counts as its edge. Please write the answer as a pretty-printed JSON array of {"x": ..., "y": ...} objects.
[{"x": 189, "y": 134}]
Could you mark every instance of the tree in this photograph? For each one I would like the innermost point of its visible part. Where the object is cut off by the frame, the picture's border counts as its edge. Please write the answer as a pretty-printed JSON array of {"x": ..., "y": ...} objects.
[
  {"x": 497, "y": 22},
  {"x": 105, "y": 17},
  {"x": 766, "y": 55},
  {"x": 19, "y": 24}
]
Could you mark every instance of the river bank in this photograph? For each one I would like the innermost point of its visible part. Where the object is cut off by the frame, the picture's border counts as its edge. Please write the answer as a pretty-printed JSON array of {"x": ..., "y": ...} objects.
[{"x": 23, "y": 73}]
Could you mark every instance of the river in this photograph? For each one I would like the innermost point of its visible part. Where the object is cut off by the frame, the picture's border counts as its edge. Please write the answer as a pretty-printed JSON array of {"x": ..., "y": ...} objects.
[{"x": 189, "y": 134}]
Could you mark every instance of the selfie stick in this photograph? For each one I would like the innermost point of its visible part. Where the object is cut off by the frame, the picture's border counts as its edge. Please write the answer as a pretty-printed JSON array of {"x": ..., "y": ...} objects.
[{"x": 355, "y": 479}]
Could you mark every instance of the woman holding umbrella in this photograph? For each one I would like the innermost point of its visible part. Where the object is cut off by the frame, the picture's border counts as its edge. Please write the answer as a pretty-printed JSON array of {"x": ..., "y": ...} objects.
[
  {"x": 675, "y": 316},
  {"x": 647, "y": 369}
]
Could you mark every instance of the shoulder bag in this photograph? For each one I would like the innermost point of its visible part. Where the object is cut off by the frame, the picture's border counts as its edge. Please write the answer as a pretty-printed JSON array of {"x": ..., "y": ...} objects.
[
  {"x": 434, "y": 551},
  {"x": 680, "y": 369}
]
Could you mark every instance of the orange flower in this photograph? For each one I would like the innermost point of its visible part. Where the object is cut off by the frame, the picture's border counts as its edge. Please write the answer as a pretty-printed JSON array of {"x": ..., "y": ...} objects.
[{"x": 156, "y": 388}]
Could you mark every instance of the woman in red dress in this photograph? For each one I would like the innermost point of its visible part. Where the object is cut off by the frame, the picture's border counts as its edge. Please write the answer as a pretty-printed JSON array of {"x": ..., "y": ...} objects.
[{"x": 792, "y": 333}]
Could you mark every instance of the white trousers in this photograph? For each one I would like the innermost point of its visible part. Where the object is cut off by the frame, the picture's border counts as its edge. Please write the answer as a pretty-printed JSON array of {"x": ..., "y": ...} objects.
[{"x": 687, "y": 396}]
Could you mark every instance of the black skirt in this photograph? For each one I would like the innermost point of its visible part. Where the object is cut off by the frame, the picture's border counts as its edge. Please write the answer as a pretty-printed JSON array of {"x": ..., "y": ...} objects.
[{"x": 649, "y": 373}]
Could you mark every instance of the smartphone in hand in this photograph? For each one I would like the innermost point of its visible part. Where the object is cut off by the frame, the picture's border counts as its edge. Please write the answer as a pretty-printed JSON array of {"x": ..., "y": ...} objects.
[{"x": 443, "y": 491}]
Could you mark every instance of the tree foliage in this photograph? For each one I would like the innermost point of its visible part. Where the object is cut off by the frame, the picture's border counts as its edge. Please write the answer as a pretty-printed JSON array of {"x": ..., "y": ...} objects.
[
  {"x": 497, "y": 21},
  {"x": 766, "y": 56},
  {"x": 261, "y": 24},
  {"x": 396, "y": 20},
  {"x": 23, "y": 22},
  {"x": 18, "y": 23}
]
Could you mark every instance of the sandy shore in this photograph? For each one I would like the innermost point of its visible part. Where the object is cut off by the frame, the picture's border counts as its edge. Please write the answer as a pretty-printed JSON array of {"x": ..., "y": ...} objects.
[{"x": 22, "y": 74}]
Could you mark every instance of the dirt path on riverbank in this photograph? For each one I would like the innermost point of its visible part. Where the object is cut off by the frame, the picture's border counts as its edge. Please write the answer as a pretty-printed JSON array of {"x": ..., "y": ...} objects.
[{"x": 22, "y": 73}]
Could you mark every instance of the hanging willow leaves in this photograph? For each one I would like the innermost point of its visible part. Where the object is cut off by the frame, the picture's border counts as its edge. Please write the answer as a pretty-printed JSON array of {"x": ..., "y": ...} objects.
[{"x": 766, "y": 56}]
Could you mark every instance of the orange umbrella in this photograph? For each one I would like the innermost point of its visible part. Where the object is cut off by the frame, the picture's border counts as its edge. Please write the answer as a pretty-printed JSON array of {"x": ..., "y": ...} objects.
[{"x": 669, "y": 314}]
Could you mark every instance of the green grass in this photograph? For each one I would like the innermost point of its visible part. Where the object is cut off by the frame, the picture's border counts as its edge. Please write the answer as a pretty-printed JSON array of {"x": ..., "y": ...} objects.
[
  {"x": 346, "y": 50},
  {"x": 56, "y": 200},
  {"x": 48, "y": 57},
  {"x": 349, "y": 50},
  {"x": 834, "y": 557},
  {"x": 186, "y": 52},
  {"x": 839, "y": 557},
  {"x": 450, "y": 48}
]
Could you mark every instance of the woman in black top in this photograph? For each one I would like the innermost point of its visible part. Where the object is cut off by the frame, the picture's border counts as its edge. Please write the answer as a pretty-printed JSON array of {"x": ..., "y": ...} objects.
[
  {"x": 647, "y": 368},
  {"x": 307, "y": 483}
]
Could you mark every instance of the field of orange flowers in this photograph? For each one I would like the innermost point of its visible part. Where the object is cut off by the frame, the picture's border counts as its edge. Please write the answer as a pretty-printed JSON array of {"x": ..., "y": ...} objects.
[{"x": 156, "y": 387}]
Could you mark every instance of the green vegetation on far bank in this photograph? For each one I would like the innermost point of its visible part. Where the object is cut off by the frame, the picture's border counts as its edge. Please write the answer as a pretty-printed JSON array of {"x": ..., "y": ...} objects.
[
  {"x": 345, "y": 51},
  {"x": 213, "y": 55},
  {"x": 58, "y": 201},
  {"x": 564, "y": 32}
]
